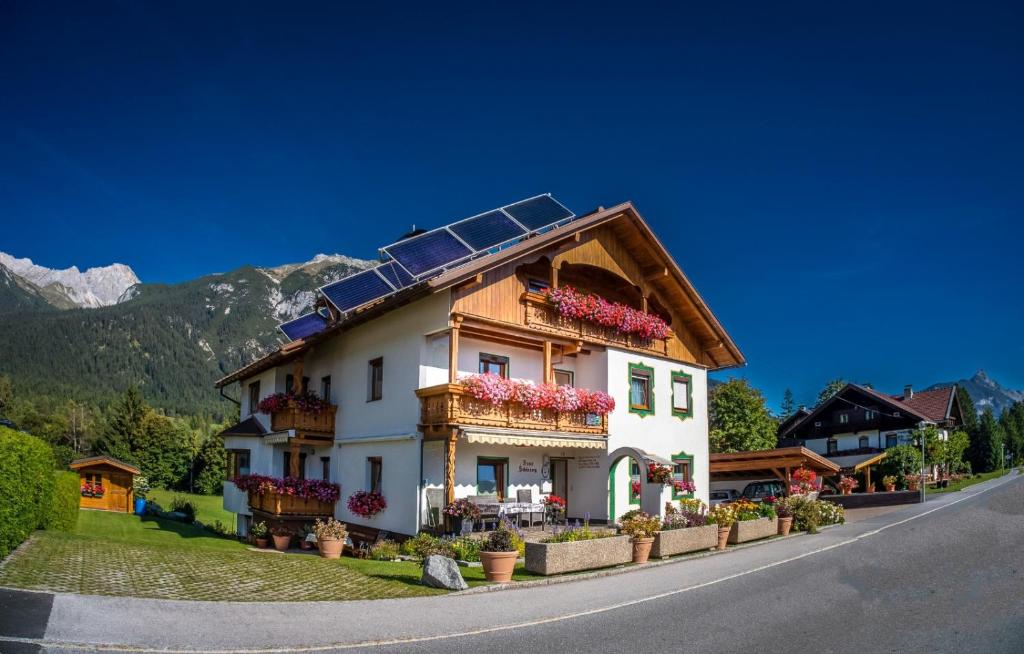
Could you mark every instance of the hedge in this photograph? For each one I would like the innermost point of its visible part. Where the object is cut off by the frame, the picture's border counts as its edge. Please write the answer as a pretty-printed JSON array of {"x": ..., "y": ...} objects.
[
  {"x": 26, "y": 486},
  {"x": 64, "y": 505}
]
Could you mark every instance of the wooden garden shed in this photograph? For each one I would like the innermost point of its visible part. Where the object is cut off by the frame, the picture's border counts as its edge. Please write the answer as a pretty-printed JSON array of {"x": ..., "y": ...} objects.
[{"x": 105, "y": 483}]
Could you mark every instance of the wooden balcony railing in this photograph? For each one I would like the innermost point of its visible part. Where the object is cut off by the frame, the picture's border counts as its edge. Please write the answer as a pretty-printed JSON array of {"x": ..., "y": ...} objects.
[
  {"x": 289, "y": 505},
  {"x": 451, "y": 405},
  {"x": 543, "y": 316},
  {"x": 321, "y": 422}
]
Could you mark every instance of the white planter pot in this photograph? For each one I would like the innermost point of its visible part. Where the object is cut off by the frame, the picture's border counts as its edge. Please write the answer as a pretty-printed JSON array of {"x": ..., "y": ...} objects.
[
  {"x": 680, "y": 541},
  {"x": 556, "y": 558}
]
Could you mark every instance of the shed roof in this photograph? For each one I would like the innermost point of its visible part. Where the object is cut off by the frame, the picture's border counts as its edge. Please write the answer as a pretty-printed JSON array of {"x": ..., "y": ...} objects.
[
  {"x": 103, "y": 459},
  {"x": 766, "y": 464}
]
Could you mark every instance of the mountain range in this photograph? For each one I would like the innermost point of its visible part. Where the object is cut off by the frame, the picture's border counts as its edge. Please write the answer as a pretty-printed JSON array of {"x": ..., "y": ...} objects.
[{"x": 91, "y": 335}]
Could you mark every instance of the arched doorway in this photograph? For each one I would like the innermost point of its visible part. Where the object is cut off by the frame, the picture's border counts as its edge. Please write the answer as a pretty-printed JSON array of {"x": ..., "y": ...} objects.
[{"x": 616, "y": 472}]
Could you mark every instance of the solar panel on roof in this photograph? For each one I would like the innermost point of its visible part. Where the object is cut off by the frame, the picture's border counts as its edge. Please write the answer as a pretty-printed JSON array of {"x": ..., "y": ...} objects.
[
  {"x": 538, "y": 212},
  {"x": 354, "y": 291},
  {"x": 395, "y": 274},
  {"x": 487, "y": 230},
  {"x": 428, "y": 252},
  {"x": 303, "y": 326}
]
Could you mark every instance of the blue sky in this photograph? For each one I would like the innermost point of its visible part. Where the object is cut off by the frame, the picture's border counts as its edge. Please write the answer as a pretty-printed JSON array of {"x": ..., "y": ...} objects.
[{"x": 842, "y": 183}]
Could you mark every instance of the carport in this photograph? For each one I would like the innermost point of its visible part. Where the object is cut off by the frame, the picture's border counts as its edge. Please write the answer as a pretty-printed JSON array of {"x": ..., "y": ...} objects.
[
  {"x": 854, "y": 463},
  {"x": 768, "y": 464}
]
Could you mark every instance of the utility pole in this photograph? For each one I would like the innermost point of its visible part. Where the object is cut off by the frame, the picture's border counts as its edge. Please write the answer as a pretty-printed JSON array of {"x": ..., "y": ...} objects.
[{"x": 921, "y": 433}]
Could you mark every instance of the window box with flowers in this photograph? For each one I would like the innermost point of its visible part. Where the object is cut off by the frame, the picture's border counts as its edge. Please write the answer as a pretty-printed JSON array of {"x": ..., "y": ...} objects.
[
  {"x": 622, "y": 319},
  {"x": 306, "y": 411},
  {"x": 366, "y": 504},
  {"x": 289, "y": 496},
  {"x": 753, "y": 521},
  {"x": 685, "y": 528}
]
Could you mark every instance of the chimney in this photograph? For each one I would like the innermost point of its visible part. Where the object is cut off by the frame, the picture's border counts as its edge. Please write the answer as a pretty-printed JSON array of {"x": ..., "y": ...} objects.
[{"x": 908, "y": 392}]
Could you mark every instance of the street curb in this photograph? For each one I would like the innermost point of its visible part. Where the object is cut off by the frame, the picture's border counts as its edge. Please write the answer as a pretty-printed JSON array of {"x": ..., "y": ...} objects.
[{"x": 627, "y": 568}]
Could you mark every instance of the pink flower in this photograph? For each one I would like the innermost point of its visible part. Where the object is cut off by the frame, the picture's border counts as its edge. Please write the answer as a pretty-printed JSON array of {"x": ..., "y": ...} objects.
[
  {"x": 497, "y": 390},
  {"x": 623, "y": 319}
]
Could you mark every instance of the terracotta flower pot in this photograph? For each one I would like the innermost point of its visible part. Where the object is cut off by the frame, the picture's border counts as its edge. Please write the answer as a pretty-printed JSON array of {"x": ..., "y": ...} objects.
[
  {"x": 330, "y": 548},
  {"x": 305, "y": 544},
  {"x": 846, "y": 491},
  {"x": 890, "y": 488},
  {"x": 281, "y": 543},
  {"x": 870, "y": 489},
  {"x": 913, "y": 484},
  {"x": 642, "y": 549},
  {"x": 498, "y": 566},
  {"x": 262, "y": 543},
  {"x": 723, "y": 536},
  {"x": 785, "y": 524}
]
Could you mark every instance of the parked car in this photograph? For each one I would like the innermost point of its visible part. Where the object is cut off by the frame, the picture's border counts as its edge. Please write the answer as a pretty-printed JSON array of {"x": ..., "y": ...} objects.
[
  {"x": 723, "y": 496},
  {"x": 756, "y": 491}
]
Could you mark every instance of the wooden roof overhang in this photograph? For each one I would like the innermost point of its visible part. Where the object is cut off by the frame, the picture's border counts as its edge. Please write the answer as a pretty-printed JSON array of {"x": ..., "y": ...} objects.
[
  {"x": 767, "y": 464},
  {"x": 627, "y": 224},
  {"x": 104, "y": 460},
  {"x": 860, "y": 464}
]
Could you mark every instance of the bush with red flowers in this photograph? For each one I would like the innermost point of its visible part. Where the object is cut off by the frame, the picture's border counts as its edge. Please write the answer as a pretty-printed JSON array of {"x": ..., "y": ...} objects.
[
  {"x": 571, "y": 303},
  {"x": 366, "y": 504},
  {"x": 658, "y": 474}
]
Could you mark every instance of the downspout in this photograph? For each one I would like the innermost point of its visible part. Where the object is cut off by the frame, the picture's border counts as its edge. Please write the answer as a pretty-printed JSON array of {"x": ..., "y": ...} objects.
[
  {"x": 230, "y": 399},
  {"x": 419, "y": 492}
]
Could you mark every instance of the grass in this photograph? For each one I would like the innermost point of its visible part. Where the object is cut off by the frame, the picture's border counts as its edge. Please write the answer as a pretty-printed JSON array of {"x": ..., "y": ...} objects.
[
  {"x": 208, "y": 507},
  {"x": 969, "y": 481},
  {"x": 124, "y": 555}
]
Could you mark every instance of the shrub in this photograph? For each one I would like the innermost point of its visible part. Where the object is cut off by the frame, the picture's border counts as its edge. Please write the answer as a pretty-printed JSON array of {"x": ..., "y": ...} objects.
[
  {"x": 465, "y": 548},
  {"x": 502, "y": 539},
  {"x": 385, "y": 550},
  {"x": 64, "y": 504},
  {"x": 26, "y": 486},
  {"x": 575, "y": 532},
  {"x": 421, "y": 545},
  {"x": 330, "y": 529},
  {"x": 181, "y": 504}
]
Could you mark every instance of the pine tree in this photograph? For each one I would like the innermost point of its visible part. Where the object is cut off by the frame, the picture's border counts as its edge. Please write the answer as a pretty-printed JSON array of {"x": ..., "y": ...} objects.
[
  {"x": 1012, "y": 422},
  {"x": 6, "y": 394},
  {"x": 124, "y": 434},
  {"x": 788, "y": 404},
  {"x": 970, "y": 413},
  {"x": 986, "y": 449},
  {"x": 831, "y": 388}
]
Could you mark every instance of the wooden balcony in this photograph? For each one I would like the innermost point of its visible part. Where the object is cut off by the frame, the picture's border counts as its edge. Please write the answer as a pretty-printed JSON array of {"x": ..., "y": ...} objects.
[
  {"x": 543, "y": 316},
  {"x": 321, "y": 422},
  {"x": 450, "y": 405},
  {"x": 276, "y": 505}
]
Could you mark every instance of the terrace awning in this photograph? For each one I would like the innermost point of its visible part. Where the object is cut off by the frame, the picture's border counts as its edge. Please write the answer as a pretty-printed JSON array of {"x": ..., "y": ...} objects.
[
  {"x": 547, "y": 439},
  {"x": 768, "y": 464},
  {"x": 857, "y": 462}
]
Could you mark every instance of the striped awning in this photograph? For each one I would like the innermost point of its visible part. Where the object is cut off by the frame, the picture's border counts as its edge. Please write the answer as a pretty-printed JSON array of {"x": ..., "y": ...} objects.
[{"x": 550, "y": 439}]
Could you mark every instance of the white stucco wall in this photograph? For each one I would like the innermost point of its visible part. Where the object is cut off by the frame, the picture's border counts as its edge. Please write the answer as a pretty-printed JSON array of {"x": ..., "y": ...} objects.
[{"x": 400, "y": 461}]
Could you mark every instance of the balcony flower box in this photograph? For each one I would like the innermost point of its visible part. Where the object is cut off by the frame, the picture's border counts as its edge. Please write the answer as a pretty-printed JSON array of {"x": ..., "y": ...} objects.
[
  {"x": 289, "y": 496},
  {"x": 681, "y": 541},
  {"x": 747, "y": 530},
  {"x": 557, "y": 558}
]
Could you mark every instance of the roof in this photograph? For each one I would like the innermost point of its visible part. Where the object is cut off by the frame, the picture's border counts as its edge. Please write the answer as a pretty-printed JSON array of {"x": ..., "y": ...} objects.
[
  {"x": 248, "y": 427},
  {"x": 727, "y": 354},
  {"x": 758, "y": 464},
  {"x": 935, "y": 405},
  {"x": 904, "y": 409},
  {"x": 103, "y": 459},
  {"x": 857, "y": 461}
]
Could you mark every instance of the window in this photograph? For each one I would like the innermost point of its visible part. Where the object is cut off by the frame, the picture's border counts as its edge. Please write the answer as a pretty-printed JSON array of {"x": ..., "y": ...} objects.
[
  {"x": 682, "y": 394},
  {"x": 490, "y": 477},
  {"x": 325, "y": 468},
  {"x": 844, "y": 418},
  {"x": 634, "y": 482},
  {"x": 565, "y": 378},
  {"x": 833, "y": 446},
  {"x": 682, "y": 471},
  {"x": 538, "y": 285},
  {"x": 862, "y": 442},
  {"x": 870, "y": 414},
  {"x": 238, "y": 463},
  {"x": 494, "y": 364},
  {"x": 325, "y": 388},
  {"x": 890, "y": 440},
  {"x": 641, "y": 387},
  {"x": 289, "y": 383},
  {"x": 288, "y": 465},
  {"x": 376, "y": 471},
  {"x": 375, "y": 380},
  {"x": 254, "y": 397}
]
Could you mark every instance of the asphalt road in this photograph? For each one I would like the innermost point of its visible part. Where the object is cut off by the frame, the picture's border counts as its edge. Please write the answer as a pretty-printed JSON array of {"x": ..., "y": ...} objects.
[{"x": 943, "y": 577}]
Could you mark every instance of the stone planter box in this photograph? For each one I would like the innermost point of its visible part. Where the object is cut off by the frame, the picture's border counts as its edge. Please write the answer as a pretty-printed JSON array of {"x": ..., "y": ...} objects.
[
  {"x": 556, "y": 558},
  {"x": 681, "y": 541},
  {"x": 747, "y": 530}
]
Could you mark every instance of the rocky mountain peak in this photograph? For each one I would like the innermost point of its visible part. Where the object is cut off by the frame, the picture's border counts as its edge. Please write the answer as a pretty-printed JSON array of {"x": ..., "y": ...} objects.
[{"x": 69, "y": 287}]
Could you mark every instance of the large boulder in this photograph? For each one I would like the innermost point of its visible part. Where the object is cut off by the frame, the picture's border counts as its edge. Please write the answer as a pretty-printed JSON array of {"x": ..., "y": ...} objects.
[{"x": 442, "y": 572}]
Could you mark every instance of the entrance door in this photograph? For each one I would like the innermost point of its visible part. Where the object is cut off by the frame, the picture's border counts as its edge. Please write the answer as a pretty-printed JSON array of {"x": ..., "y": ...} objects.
[
  {"x": 560, "y": 480},
  {"x": 118, "y": 492}
]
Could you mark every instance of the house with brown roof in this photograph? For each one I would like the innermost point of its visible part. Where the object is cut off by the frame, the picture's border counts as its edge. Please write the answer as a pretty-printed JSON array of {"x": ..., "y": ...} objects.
[{"x": 858, "y": 420}]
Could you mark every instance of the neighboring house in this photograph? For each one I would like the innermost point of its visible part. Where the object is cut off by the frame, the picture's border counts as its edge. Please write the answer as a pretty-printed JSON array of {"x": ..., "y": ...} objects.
[
  {"x": 390, "y": 349},
  {"x": 859, "y": 420}
]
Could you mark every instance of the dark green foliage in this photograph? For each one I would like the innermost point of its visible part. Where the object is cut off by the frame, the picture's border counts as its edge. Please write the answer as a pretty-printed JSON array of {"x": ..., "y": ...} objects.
[
  {"x": 181, "y": 504},
  {"x": 740, "y": 420},
  {"x": 1012, "y": 422},
  {"x": 26, "y": 486},
  {"x": 985, "y": 451},
  {"x": 901, "y": 461},
  {"x": 970, "y": 413},
  {"x": 788, "y": 404},
  {"x": 210, "y": 467},
  {"x": 64, "y": 505},
  {"x": 830, "y": 389}
]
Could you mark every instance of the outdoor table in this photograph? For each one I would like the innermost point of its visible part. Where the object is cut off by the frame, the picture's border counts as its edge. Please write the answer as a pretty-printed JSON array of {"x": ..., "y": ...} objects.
[{"x": 519, "y": 508}]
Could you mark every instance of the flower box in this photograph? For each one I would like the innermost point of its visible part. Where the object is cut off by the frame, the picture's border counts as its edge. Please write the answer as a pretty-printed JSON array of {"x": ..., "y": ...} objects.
[
  {"x": 747, "y": 530},
  {"x": 681, "y": 541},
  {"x": 278, "y": 504},
  {"x": 556, "y": 558}
]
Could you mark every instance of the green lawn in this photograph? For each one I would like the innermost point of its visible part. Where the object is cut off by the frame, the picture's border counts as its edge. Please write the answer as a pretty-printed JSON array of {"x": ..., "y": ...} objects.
[
  {"x": 210, "y": 507},
  {"x": 122, "y": 554},
  {"x": 969, "y": 481}
]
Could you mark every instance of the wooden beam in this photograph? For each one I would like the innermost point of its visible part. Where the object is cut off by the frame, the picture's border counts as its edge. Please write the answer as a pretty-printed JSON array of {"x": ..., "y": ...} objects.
[
  {"x": 554, "y": 276},
  {"x": 297, "y": 376},
  {"x": 453, "y": 350},
  {"x": 293, "y": 463},
  {"x": 547, "y": 362},
  {"x": 449, "y": 467}
]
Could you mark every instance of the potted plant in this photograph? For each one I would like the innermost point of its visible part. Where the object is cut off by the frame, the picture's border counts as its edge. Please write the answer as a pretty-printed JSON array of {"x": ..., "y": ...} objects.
[
  {"x": 366, "y": 504},
  {"x": 330, "y": 537},
  {"x": 642, "y": 529},
  {"x": 889, "y": 481},
  {"x": 785, "y": 514},
  {"x": 913, "y": 482},
  {"x": 306, "y": 538},
  {"x": 259, "y": 533},
  {"x": 554, "y": 508},
  {"x": 459, "y": 510},
  {"x": 282, "y": 538},
  {"x": 723, "y": 516},
  {"x": 498, "y": 553},
  {"x": 847, "y": 484}
]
